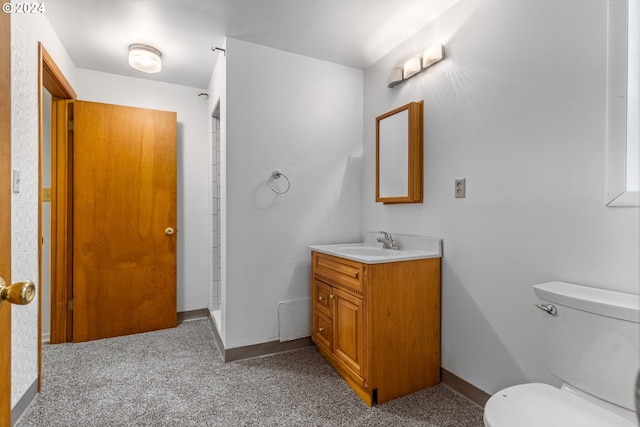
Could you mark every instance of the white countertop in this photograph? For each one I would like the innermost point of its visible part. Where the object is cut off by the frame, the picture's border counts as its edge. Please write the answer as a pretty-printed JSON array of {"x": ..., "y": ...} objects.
[{"x": 371, "y": 252}]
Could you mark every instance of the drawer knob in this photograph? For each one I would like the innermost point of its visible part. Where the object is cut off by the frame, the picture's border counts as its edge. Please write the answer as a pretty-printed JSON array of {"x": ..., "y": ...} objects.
[
  {"x": 320, "y": 298},
  {"x": 331, "y": 296}
]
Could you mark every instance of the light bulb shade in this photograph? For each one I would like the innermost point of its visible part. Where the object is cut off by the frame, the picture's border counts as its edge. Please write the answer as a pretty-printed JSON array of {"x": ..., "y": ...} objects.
[
  {"x": 145, "y": 58},
  {"x": 411, "y": 68},
  {"x": 432, "y": 55},
  {"x": 395, "y": 77}
]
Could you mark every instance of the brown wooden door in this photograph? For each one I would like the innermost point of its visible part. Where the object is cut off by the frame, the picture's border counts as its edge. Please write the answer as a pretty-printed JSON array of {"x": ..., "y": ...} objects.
[
  {"x": 124, "y": 214},
  {"x": 5, "y": 216}
]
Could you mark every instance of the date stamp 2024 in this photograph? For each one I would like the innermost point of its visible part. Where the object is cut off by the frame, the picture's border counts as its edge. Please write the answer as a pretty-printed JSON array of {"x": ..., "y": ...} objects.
[{"x": 23, "y": 8}]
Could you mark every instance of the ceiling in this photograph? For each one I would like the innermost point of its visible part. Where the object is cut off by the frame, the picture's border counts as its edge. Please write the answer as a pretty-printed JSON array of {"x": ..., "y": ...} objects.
[{"x": 356, "y": 33}]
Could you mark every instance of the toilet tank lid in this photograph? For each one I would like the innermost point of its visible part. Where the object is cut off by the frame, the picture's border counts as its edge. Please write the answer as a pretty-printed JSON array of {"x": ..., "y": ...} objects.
[{"x": 604, "y": 302}]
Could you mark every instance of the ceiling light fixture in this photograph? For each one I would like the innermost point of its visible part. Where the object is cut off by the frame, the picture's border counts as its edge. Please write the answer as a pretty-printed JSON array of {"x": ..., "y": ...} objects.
[{"x": 145, "y": 58}]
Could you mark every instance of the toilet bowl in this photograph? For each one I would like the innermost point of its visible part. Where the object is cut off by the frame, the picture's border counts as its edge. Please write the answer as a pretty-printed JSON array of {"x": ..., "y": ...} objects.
[
  {"x": 592, "y": 344},
  {"x": 541, "y": 405}
]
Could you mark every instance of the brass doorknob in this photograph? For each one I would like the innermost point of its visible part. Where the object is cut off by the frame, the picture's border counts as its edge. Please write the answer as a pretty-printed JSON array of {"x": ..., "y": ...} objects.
[
  {"x": 20, "y": 293},
  {"x": 169, "y": 231}
]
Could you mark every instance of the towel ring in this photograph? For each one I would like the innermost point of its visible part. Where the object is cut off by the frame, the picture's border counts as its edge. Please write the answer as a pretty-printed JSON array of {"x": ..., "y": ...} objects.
[{"x": 276, "y": 174}]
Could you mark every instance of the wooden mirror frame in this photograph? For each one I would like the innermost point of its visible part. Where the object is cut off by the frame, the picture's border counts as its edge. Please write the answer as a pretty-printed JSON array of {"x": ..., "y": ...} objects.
[{"x": 415, "y": 142}]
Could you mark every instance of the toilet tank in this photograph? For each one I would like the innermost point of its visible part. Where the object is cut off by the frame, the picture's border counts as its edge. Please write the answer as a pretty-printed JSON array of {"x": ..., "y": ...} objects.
[{"x": 593, "y": 340}]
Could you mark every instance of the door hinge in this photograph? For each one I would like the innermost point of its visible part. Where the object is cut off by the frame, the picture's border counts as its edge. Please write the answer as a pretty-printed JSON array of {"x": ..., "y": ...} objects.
[
  {"x": 71, "y": 125},
  {"x": 70, "y": 305}
]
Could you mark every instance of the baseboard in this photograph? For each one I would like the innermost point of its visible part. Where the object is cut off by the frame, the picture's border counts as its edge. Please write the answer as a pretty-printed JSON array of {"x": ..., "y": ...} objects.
[
  {"x": 24, "y": 402},
  {"x": 185, "y": 316},
  {"x": 255, "y": 350},
  {"x": 466, "y": 389},
  {"x": 216, "y": 335},
  {"x": 264, "y": 349}
]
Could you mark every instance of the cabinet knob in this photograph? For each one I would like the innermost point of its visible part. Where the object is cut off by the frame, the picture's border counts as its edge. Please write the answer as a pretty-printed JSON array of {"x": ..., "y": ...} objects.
[
  {"x": 331, "y": 296},
  {"x": 321, "y": 329},
  {"x": 320, "y": 298}
]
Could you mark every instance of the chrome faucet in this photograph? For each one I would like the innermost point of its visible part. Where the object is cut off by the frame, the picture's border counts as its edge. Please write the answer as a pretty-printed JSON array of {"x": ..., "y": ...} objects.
[{"x": 387, "y": 240}]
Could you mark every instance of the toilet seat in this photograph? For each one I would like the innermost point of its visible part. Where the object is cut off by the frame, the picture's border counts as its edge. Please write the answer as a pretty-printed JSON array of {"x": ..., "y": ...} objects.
[{"x": 541, "y": 405}]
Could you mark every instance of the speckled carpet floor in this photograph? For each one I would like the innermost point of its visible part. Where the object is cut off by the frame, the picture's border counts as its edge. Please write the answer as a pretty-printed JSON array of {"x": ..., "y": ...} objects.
[{"x": 176, "y": 377}]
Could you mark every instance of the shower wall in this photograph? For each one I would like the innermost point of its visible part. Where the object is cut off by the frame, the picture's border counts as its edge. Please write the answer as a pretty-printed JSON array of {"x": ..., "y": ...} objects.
[{"x": 303, "y": 117}]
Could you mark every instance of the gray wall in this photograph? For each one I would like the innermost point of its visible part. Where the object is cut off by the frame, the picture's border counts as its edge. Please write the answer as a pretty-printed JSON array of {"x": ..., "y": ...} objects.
[{"x": 518, "y": 109}]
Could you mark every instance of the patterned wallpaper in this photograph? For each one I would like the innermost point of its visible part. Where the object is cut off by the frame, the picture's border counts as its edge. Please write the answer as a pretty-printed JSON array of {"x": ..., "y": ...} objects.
[{"x": 24, "y": 205}]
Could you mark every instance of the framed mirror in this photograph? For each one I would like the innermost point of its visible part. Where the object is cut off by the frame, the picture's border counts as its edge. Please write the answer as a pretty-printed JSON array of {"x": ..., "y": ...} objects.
[{"x": 399, "y": 154}]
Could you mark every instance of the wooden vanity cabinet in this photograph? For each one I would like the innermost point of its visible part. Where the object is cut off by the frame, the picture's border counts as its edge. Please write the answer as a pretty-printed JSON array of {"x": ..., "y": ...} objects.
[{"x": 378, "y": 325}]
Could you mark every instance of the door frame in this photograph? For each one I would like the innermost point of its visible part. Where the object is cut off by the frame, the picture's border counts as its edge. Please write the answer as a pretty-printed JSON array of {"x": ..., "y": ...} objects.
[
  {"x": 5, "y": 221},
  {"x": 50, "y": 77}
]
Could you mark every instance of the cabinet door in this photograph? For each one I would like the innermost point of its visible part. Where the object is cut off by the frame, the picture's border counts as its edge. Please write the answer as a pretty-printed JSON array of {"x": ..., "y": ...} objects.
[{"x": 348, "y": 336}]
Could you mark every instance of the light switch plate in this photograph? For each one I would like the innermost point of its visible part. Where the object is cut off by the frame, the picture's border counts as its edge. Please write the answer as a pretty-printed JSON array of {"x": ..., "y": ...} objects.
[{"x": 461, "y": 188}]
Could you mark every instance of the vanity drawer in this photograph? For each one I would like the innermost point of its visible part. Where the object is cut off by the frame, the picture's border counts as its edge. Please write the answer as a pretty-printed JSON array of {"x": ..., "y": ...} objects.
[
  {"x": 339, "y": 271},
  {"x": 322, "y": 298},
  {"x": 322, "y": 331}
]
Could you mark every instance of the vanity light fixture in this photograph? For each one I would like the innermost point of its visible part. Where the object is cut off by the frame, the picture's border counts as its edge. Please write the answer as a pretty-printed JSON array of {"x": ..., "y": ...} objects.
[
  {"x": 145, "y": 58},
  {"x": 416, "y": 65}
]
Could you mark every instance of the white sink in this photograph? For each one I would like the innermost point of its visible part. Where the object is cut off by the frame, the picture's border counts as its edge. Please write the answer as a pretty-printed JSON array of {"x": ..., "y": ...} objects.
[{"x": 369, "y": 253}]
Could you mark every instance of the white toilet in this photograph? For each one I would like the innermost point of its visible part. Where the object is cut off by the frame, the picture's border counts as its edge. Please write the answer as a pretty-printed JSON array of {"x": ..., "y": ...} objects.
[{"x": 592, "y": 339}]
